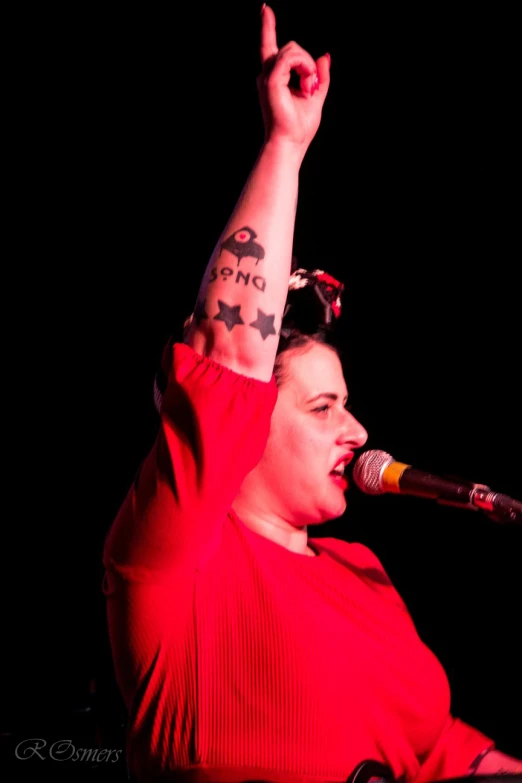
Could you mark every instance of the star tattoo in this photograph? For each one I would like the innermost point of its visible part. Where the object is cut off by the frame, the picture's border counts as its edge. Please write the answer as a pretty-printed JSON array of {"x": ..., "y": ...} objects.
[
  {"x": 265, "y": 324},
  {"x": 229, "y": 315}
]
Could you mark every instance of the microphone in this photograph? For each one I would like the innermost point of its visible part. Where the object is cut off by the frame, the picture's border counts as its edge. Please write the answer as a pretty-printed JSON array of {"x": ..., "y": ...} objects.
[{"x": 376, "y": 472}]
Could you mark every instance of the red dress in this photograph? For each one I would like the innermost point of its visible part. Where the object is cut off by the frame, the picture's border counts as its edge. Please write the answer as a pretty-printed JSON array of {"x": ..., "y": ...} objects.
[{"x": 240, "y": 660}]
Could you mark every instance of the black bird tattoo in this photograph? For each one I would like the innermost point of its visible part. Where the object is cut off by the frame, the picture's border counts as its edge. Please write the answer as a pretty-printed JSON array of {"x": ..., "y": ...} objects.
[{"x": 241, "y": 244}]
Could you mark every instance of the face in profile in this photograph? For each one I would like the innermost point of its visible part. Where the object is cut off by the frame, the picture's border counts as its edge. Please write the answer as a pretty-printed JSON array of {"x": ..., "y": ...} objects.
[{"x": 312, "y": 435}]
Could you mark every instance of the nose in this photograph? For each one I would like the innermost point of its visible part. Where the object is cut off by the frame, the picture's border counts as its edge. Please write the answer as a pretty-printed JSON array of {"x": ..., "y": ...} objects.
[{"x": 352, "y": 432}]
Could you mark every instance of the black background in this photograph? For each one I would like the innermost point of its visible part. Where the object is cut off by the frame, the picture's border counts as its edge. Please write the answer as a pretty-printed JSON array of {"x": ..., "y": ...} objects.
[{"x": 133, "y": 133}]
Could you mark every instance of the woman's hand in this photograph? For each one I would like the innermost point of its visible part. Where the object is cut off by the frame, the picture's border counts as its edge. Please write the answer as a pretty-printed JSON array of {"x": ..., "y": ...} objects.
[{"x": 291, "y": 115}]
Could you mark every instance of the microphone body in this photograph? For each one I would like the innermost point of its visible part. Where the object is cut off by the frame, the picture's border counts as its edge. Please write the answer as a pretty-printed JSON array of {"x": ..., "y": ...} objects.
[{"x": 376, "y": 472}]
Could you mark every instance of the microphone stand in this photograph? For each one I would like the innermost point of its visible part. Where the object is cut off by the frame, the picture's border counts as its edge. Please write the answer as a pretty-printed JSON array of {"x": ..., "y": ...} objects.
[{"x": 498, "y": 507}]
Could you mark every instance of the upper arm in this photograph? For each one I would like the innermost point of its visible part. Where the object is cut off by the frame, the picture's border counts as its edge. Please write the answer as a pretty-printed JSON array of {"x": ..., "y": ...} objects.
[
  {"x": 214, "y": 425},
  {"x": 258, "y": 364}
]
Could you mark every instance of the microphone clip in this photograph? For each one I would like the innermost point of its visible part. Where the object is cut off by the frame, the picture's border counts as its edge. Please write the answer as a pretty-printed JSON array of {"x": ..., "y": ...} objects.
[{"x": 499, "y": 508}]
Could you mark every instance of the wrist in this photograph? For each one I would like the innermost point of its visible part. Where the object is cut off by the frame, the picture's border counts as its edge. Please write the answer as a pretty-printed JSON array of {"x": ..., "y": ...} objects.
[{"x": 281, "y": 148}]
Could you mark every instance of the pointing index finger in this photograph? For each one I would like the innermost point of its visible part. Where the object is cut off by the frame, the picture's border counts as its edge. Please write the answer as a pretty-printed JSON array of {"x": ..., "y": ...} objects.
[{"x": 269, "y": 46}]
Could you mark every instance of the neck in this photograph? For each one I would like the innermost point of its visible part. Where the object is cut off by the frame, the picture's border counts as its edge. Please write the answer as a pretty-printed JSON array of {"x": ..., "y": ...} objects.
[{"x": 274, "y": 527}]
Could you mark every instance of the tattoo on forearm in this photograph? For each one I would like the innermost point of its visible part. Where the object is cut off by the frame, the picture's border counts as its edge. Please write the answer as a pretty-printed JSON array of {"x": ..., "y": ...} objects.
[
  {"x": 241, "y": 244},
  {"x": 229, "y": 315},
  {"x": 240, "y": 277},
  {"x": 265, "y": 324},
  {"x": 476, "y": 763}
]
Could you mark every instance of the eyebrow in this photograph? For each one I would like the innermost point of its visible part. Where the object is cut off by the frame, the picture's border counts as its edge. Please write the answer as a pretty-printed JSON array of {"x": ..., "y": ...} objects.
[{"x": 328, "y": 395}]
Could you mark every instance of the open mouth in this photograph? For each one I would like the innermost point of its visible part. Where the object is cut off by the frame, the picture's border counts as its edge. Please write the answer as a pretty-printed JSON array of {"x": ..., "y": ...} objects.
[
  {"x": 337, "y": 474},
  {"x": 339, "y": 479}
]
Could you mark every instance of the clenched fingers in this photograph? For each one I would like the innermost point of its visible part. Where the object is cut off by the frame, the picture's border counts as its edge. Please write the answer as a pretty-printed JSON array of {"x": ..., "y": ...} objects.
[{"x": 293, "y": 57}]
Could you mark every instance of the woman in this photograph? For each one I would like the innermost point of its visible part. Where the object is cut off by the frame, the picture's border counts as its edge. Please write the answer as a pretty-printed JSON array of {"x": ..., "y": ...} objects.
[{"x": 244, "y": 649}]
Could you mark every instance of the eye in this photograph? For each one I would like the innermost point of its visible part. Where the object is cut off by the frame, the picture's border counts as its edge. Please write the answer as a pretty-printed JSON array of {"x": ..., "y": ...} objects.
[{"x": 322, "y": 409}]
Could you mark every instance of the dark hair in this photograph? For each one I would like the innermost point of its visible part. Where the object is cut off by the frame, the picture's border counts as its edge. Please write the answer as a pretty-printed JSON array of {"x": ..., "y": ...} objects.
[{"x": 295, "y": 340}]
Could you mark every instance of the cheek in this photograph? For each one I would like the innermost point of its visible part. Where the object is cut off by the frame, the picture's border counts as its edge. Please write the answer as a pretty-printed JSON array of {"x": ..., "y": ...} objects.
[
  {"x": 296, "y": 442},
  {"x": 284, "y": 444},
  {"x": 296, "y": 447}
]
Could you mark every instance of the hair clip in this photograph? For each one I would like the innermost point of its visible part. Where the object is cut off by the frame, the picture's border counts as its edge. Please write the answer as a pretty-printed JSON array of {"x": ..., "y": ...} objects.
[{"x": 326, "y": 287}]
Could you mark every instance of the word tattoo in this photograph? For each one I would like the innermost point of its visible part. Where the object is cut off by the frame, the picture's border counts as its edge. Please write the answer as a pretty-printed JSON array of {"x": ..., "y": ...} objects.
[
  {"x": 225, "y": 272},
  {"x": 229, "y": 314},
  {"x": 241, "y": 244}
]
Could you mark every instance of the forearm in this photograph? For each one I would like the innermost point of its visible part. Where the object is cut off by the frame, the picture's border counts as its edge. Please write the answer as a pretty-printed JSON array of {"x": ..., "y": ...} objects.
[
  {"x": 495, "y": 763},
  {"x": 256, "y": 285}
]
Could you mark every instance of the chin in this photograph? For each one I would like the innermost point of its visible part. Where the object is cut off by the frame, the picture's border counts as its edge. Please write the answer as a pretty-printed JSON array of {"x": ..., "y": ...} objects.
[
  {"x": 333, "y": 511},
  {"x": 338, "y": 508},
  {"x": 337, "y": 513}
]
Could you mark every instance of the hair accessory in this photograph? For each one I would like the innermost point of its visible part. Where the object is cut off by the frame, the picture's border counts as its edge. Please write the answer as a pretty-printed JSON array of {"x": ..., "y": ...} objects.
[
  {"x": 318, "y": 307},
  {"x": 327, "y": 288}
]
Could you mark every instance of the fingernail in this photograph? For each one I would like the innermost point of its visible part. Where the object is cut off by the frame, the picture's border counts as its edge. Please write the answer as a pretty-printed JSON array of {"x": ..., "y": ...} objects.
[
  {"x": 315, "y": 85},
  {"x": 329, "y": 59},
  {"x": 263, "y": 8}
]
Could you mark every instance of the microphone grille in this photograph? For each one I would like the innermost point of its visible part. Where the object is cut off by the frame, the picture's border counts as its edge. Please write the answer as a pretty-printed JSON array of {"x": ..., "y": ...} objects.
[{"x": 368, "y": 469}]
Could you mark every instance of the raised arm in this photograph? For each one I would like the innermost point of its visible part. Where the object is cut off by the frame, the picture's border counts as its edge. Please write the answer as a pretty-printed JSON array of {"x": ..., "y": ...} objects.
[
  {"x": 240, "y": 305},
  {"x": 218, "y": 392}
]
